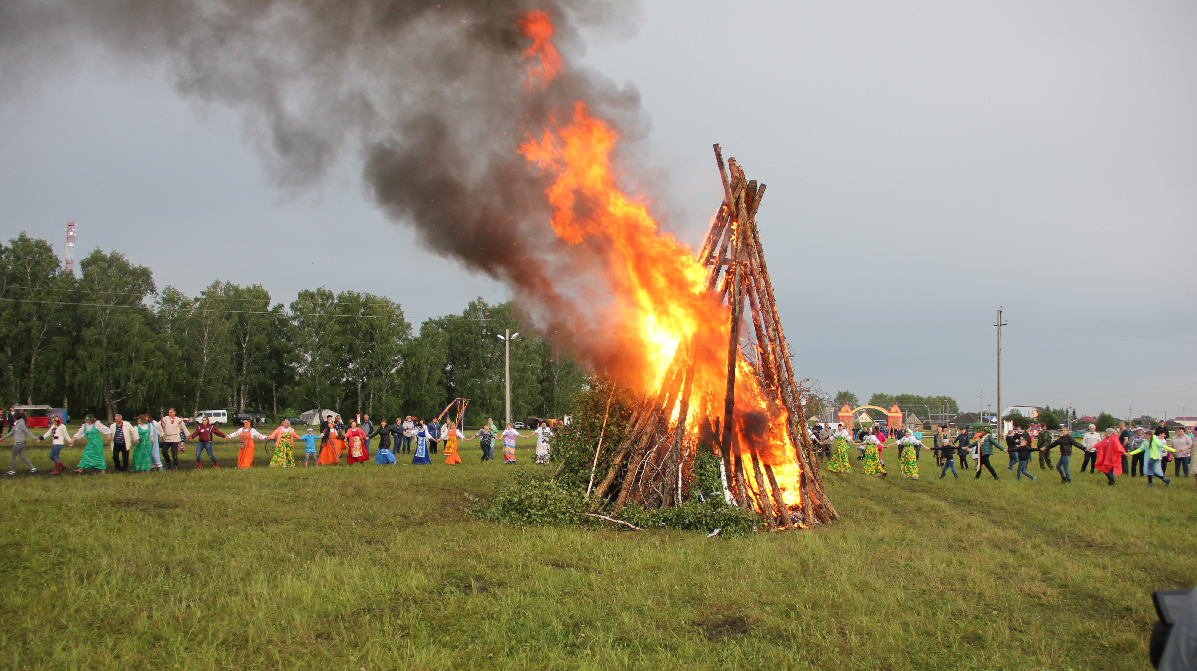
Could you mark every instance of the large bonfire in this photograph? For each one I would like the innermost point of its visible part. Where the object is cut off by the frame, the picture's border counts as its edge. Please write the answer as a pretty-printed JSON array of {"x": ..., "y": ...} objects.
[{"x": 706, "y": 379}]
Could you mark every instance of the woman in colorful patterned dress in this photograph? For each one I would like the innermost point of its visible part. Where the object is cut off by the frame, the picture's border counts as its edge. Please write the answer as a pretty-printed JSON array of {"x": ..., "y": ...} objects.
[
  {"x": 420, "y": 455},
  {"x": 839, "y": 455},
  {"x": 245, "y": 454},
  {"x": 872, "y": 458},
  {"x": 284, "y": 438},
  {"x": 451, "y": 435},
  {"x": 329, "y": 452},
  {"x": 909, "y": 458},
  {"x": 509, "y": 436},
  {"x": 93, "y": 452},
  {"x": 355, "y": 440}
]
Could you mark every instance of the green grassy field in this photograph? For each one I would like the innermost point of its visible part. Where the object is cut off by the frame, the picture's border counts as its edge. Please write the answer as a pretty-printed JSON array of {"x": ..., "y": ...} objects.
[{"x": 377, "y": 567}]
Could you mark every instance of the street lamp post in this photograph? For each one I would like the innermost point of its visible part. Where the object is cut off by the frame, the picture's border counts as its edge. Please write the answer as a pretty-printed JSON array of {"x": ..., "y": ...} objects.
[{"x": 507, "y": 337}]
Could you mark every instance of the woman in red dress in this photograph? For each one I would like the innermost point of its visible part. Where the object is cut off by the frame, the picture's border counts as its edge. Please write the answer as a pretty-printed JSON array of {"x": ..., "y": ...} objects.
[{"x": 355, "y": 441}]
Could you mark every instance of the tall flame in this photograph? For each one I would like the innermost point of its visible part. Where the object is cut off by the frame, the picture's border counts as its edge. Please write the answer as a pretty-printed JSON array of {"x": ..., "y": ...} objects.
[
  {"x": 537, "y": 26},
  {"x": 658, "y": 289}
]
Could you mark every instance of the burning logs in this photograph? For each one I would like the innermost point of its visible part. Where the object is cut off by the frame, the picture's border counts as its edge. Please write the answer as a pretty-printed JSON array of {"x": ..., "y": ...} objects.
[{"x": 741, "y": 400}]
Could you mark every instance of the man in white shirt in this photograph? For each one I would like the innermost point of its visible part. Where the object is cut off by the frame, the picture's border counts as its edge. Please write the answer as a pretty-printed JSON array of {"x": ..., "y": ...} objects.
[
  {"x": 1089, "y": 442},
  {"x": 174, "y": 431}
]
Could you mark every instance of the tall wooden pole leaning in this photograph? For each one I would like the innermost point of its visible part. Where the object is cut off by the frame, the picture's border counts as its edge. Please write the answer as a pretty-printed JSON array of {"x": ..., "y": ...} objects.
[{"x": 649, "y": 466}]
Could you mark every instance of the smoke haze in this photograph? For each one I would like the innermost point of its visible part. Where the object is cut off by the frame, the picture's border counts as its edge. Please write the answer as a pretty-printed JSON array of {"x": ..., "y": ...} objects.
[{"x": 435, "y": 99}]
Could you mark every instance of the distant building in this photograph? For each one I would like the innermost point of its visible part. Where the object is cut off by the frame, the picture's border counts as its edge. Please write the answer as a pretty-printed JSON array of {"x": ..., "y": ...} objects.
[
  {"x": 913, "y": 422},
  {"x": 1189, "y": 422},
  {"x": 1028, "y": 411},
  {"x": 962, "y": 421}
]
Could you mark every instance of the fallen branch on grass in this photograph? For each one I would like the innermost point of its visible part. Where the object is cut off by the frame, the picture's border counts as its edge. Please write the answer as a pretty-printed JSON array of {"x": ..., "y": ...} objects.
[{"x": 629, "y": 525}]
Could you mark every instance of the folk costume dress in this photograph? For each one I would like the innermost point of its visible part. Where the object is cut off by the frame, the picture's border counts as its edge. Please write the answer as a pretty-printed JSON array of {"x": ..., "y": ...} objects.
[
  {"x": 872, "y": 459},
  {"x": 839, "y": 455},
  {"x": 420, "y": 455},
  {"x": 245, "y": 454},
  {"x": 143, "y": 453},
  {"x": 509, "y": 436},
  {"x": 329, "y": 454},
  {"x": 451, "y": 455},
  {"x": 910, "y": 464},
  {"x": 93, "y": 452},
  {"x": 355, "y": 439},
  {"x": 543, "y": 434},
  {"x": 384, "y": 455},
  {"x": 284, "y": 448}
]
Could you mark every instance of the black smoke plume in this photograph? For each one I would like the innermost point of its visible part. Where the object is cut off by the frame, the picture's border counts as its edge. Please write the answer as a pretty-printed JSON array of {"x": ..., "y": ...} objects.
[{"x": 433, "y": 97}]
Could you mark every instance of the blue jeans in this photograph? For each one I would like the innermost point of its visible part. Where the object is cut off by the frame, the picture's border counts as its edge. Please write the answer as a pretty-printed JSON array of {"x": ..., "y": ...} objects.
[
  {"x": 948, "y": 463},
  {"x": 1155, "y": 467},
  {"x": 55, "y": 448},
  {"x": 199, "y": 451},
  {"x": 1182, "y": 460},
  {"x": 1022, "y": 468},
  {"x": 1062, "y": 466}
]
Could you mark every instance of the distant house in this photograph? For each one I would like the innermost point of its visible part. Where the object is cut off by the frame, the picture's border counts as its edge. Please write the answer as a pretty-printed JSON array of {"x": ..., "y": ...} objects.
[
  {"x": 913, "y": 422},
  {"x": 1087, "y": 420},
  {"x": 962, "y": 421},
  {"x": 1189, "y": 422}
]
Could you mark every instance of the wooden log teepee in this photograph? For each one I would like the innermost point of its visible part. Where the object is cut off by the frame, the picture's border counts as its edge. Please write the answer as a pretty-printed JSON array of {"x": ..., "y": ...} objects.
[{"x": 656, "y": 454}]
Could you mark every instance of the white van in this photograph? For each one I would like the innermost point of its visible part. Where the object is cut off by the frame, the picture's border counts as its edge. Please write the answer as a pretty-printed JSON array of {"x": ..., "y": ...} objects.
[{"x": 214, "y": 416}]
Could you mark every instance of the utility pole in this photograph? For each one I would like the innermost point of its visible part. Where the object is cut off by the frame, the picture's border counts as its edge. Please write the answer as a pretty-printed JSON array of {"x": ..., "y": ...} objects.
[
  {"x": 507, "y": 338},
  {"x": 999, "y": 324},
  {"x": 981, "y": 407}
]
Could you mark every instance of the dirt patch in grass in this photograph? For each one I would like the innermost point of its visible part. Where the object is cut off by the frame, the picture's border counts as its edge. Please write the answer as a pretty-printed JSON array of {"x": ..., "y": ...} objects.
[{"x": 723, "y": 627}]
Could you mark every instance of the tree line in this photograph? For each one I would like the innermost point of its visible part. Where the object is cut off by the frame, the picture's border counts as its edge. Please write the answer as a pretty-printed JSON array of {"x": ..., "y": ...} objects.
[
  {"x": 919, "y": 405},
  {"x": 108, "y": 341}
]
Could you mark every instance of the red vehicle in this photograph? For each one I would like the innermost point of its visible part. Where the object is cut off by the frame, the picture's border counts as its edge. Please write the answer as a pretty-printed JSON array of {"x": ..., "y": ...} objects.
[{"x": 36, "y": 416}]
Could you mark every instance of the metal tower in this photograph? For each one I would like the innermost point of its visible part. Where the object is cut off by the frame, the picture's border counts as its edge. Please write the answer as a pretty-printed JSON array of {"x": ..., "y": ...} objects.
[{"x": 69, "y": 255}]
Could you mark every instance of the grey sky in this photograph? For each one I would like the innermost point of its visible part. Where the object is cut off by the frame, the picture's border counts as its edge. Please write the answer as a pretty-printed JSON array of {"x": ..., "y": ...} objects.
[{"x": 926, "y": 162}]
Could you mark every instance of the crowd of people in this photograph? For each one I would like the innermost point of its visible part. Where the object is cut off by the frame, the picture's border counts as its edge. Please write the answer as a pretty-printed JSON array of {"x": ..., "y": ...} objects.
[
  {"x": 155, "y": 444},
  {"x": 1113, "y": 452}
]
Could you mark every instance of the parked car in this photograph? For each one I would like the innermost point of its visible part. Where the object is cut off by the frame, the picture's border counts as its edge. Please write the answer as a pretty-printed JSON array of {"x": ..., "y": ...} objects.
[
  {"x": 519, "y": 425},
  {"x": 295, "y": 421}
]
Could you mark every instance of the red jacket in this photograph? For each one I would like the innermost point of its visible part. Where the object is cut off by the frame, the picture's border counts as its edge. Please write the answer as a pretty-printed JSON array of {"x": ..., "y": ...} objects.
[
  {"x": 205, "y": 433},
  {"x": 1109, "y": 455}
]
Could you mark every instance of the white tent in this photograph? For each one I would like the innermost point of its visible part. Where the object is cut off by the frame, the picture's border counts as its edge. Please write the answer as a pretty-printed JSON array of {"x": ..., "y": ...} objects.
[{"x": 310, "y": 417}]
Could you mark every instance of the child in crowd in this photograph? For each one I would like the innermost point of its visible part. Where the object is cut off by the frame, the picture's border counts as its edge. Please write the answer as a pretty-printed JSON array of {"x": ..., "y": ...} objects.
[{"x": 309, "y": 449}]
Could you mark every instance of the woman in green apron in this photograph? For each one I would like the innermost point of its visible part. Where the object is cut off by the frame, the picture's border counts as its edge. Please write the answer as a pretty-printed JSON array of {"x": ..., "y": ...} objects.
[
  {"x": 93, "y": 452},
  {"x": 142, "y": 460}
]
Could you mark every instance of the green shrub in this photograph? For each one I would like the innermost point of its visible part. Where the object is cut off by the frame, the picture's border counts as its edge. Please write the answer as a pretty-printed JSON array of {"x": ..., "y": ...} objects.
[
  {"x": 707, "y": 480},
  {"x": 532, "y": 500},
  {"x": 574, "y": 445},
  {"x": 696, "y": 515}
]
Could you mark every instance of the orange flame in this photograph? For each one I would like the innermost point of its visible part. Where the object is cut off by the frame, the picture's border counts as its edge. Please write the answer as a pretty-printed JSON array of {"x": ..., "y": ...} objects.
[
  {"x": 658, "y": 289},
  {"x": 537, "y": 26}
]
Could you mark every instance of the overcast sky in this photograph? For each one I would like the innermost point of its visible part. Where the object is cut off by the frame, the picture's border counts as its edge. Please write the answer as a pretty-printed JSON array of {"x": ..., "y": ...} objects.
[{"x": 926, "y": 162}]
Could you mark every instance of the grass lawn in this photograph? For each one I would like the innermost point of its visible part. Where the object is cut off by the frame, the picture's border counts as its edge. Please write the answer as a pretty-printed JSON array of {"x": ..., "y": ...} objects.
[{"x": 376, "y": 567}]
